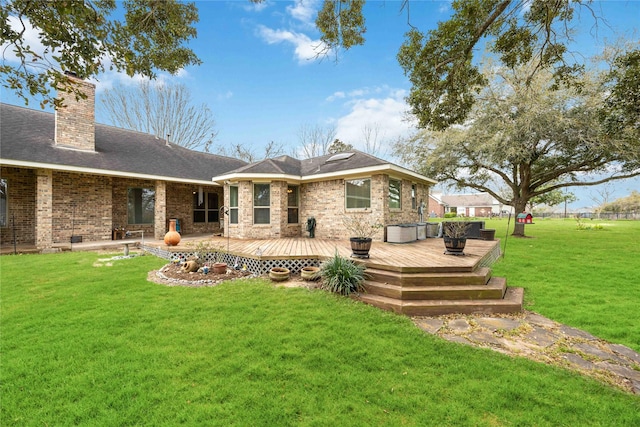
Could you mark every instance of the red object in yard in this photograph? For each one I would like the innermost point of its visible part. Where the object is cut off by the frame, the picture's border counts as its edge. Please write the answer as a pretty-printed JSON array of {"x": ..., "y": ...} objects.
[{"x": 524, "y": 218}]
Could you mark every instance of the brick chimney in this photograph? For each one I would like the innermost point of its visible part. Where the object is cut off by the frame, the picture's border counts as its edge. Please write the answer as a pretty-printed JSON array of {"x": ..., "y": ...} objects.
[{"x": 75, "y": 122}]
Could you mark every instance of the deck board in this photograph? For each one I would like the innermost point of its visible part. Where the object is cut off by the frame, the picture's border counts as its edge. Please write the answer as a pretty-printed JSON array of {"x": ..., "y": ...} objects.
[{"x": 418, "y": 255}]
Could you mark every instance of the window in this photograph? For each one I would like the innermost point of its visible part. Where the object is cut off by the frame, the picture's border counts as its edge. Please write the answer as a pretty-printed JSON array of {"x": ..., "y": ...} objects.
[
  {"x": 414, "y": 192},
  {"x": 358, "y": 193},
  {"x": 141, "y": 205},
  {"x": 4, "y": 212},
  {"x": 233, "y": 204},
  {"x": 261, "y": 203},
  {"x": 207, "y": 211},
  {"x": 395, "y": 191},
  {"x": 292, "y": 204}
]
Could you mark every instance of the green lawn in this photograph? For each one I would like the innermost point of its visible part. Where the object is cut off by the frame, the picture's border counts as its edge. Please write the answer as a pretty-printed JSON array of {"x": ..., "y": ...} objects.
[
  {"x": 99, "y": 345},
  {"x": 588, "y": 278}
]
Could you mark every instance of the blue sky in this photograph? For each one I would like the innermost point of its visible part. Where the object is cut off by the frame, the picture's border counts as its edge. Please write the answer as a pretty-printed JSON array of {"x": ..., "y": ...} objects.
[{"x": 259, "y": 78}]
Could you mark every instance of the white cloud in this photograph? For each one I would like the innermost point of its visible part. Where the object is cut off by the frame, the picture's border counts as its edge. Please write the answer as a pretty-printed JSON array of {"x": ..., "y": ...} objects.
[
  {"x": 386, "y": 114},
  {"x": 31, "y": 38},
  {"x": 304, "y": 48},
  {"x": 335, "y": 95},
  {"x": 304, "y": 11}
]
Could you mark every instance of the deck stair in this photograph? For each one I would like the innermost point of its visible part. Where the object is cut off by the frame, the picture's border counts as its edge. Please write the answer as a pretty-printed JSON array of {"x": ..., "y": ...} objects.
[{"x": 431, "y": 292}]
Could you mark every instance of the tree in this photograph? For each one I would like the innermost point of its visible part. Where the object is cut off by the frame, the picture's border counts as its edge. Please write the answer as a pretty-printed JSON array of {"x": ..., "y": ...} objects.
[
  {"x": 338, "y": 146},
  {"x": 439, "y": 63},
  {"x": 621, "y": 112},
  {"x": 370, "y": 133},
  {"x": 248, "y": 154},
  {"x": 82, "y": 38},
  {"x": 529, "y": 136},
  {"x": 553, "y": 198},
  {"x": 315, "y": 140},
  {"x": 164, "y": 110}
]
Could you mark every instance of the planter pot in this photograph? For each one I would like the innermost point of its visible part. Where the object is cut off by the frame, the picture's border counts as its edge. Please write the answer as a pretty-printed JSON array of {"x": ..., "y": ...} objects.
[
  {"x": 487, "y": 234},
  {"x": 360, "y": 247},
  {"x": 310, "y": 273},
  {"x": 172, "y": 238},
  {"x": 219, "y": 268},
  {"x": 279, "y": 274},
  {"x": 454, "y": 245}
]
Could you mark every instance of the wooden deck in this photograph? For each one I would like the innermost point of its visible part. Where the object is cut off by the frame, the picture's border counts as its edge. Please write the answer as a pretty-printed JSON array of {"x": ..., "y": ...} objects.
[{"x": 419, "y": 256}]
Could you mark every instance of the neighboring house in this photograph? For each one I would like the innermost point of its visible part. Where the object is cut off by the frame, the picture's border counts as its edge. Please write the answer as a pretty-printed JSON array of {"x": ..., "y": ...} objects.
[
  {"x": 472, "y": 205},
  {"x": 63, "y": 175},
  {"x": 437, "y": 207}
]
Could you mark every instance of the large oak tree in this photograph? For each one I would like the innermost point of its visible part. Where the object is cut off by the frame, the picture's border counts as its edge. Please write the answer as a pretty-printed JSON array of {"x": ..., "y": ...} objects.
[
  {"x": 87, "y": 37},
  {"x": 529, "y": 137}
]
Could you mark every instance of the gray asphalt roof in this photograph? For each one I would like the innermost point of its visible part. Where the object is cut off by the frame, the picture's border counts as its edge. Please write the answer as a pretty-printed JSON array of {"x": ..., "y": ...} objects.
[
  {"x": 309, "y": 167},
  {"x": 28, "y": 135}
]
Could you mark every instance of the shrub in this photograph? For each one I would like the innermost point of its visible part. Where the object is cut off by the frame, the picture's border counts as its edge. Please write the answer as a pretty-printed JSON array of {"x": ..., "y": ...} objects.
[{"x": 342, "y": 276}]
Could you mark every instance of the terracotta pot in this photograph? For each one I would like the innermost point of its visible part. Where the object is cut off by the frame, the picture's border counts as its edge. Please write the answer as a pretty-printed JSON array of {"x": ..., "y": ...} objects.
[
  {"x": 219, "y": 267},
  {"x": 172, "y": 238},
  {"x": 310, "y": 273},
  {"x": 279, "y": 274}
]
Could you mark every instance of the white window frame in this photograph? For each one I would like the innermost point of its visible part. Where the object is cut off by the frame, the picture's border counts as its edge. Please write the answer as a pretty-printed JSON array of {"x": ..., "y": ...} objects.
[
  {"x": 356, "y": 197},
  {"x": 293, "y": 189},
  {"x": 392, "y": 201},
  {"x": 257, "y": 208},
  {"x": 234, "y": 207}
]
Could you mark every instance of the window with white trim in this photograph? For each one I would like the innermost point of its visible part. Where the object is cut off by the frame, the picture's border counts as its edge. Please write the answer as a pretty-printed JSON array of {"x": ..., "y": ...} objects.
[
  {"x": 293, "y": 204},
  {"x": 358, "y": 193},
  {"x": 395, "y": 193},
  {"x": 414, "y": 193},
  {"x": 233, "y": 204},
  {"x": 261, "y": 203}
]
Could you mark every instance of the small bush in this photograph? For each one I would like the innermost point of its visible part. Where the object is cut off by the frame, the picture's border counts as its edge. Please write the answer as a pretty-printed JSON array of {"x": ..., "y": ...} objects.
[{"x": 342, "y": 276}]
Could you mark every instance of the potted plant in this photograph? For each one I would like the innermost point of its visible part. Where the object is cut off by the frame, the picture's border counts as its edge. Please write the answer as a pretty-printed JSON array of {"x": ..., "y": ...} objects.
[
  {"x": 219, "y": 265},
  {"x": 361, "y": 229},
  {"x": 454, "y": 234},
  {"x": 279, "y": 274}
]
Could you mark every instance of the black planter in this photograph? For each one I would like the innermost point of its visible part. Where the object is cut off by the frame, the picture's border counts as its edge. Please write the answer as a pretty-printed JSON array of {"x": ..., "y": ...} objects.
[
  {"x": 454, "y": 245},
  {"x": 360, "y": 247}
]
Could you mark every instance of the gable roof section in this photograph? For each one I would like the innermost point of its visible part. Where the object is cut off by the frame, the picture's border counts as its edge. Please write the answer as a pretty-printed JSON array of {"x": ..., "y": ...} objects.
[
  {"x": 319, "y": 168},
  {"x": 27, "y": 140},
  {"x": 468, "y": 200}
]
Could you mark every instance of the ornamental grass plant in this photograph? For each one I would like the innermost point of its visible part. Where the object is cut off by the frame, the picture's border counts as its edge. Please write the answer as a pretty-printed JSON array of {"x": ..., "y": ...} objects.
[{"x": 342, "y": 276}]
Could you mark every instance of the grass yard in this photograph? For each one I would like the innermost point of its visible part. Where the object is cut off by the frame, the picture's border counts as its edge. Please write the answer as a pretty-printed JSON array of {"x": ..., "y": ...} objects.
[
  {"x": 588, "y": 278},
  {"x": 90, "y": 344}
]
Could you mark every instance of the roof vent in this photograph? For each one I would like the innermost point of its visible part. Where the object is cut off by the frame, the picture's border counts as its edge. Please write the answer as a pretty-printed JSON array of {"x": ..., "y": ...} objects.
[{"x": 339, "y": 156}]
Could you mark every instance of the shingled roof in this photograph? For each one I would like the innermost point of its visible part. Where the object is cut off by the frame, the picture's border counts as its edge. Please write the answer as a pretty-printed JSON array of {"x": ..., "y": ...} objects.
[
  {"x": 27, "y": 139},
  {"x": 328, "y": 166}
]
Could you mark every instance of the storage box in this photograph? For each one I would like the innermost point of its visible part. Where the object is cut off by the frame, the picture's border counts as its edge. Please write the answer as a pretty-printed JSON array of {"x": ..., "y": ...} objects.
[{"x": 402, "y": 233}]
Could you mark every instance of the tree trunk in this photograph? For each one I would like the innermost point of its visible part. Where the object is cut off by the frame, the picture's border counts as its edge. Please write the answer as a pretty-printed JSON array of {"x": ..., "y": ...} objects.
[{"x": 518, "y": 228}]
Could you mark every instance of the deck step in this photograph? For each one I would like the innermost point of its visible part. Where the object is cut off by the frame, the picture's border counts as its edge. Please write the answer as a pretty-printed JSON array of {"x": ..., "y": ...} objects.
[
  {"x": 479, "y": 276},
  {"x": 493, "y": 289},
  {"x": 511, "y": 303}
]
